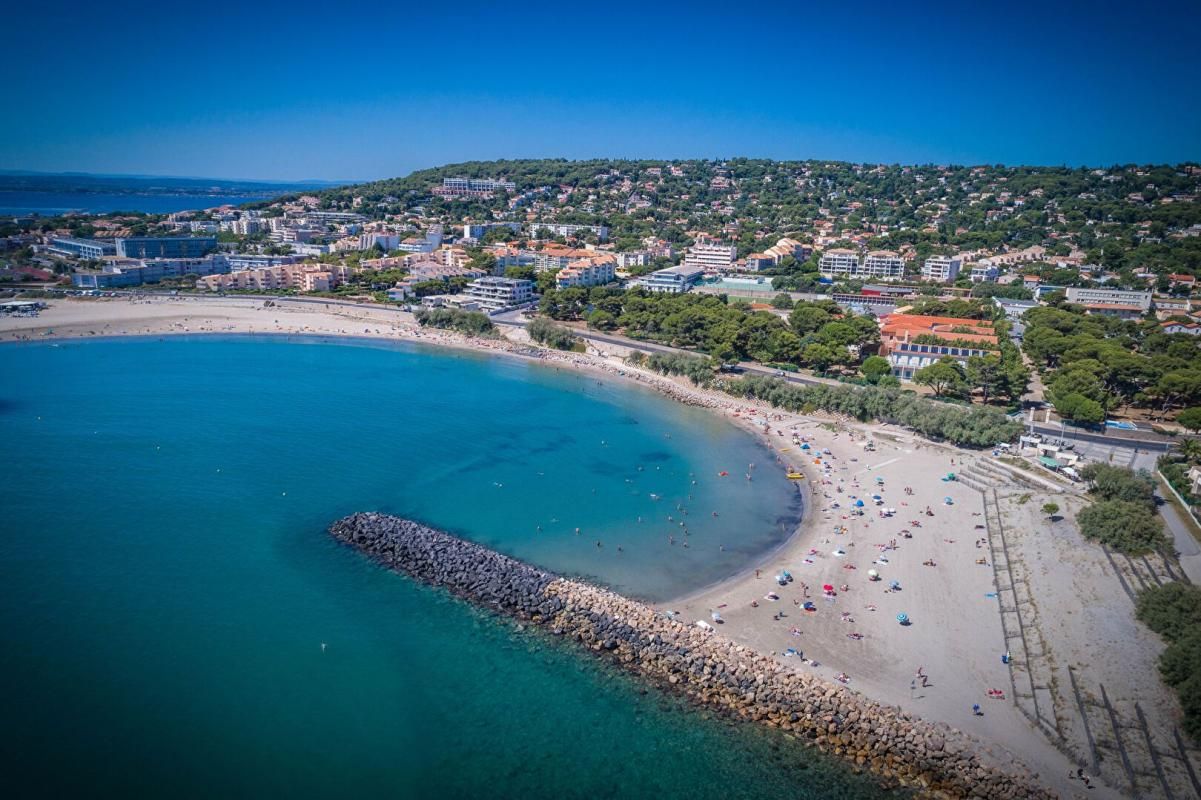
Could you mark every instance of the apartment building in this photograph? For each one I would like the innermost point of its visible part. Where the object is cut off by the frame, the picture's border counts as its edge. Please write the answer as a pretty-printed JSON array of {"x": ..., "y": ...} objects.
[
  {"x": 539, "y": 230},
  {"x": 944, "y": 269},
  {"x": 883, "y": 264},
  {"x": 498, "y": 294},
  {"x": 94, "y": 249},
  {"x": 555, "y": 256},
  {"x": 298, "y": 277},
  {"x": 594, "y": 271},
  {"x": 711, "y": 256},
  {"x": 165, "y": 246},
  {"x": 788, "y": 247},
  {"x": 479, "y": 231},
  {"x": 638, "y": 258},
  {"x": 839, "y": 262},
  {"x": 137, "y": 272},
  {"x": 472, "y": 187}
]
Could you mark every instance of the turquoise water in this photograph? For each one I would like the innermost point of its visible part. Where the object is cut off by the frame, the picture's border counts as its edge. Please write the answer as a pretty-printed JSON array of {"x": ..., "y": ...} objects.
[{"x": 167, "y": 581}]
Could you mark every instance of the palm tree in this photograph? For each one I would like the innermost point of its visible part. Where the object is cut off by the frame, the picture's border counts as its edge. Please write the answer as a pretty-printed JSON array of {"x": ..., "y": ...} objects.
[{"x": 1190, "y": 449}]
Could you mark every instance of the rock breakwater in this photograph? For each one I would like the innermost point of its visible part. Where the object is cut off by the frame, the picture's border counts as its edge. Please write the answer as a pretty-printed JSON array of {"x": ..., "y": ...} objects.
[{"x": 700, "y": 664}]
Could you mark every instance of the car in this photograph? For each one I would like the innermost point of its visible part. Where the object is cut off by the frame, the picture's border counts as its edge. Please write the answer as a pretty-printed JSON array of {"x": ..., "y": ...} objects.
[{"x": 779, "y": 373}]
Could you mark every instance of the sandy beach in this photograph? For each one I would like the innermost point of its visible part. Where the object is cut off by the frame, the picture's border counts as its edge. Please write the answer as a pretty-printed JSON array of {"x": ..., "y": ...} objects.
[{"x": 934, "y": 546}]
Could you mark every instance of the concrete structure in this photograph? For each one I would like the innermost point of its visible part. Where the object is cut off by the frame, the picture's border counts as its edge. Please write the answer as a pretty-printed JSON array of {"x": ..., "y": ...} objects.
[
  {"x": 672, "y": 280},
  {"x": 711, "y": 256},
  {"x": 94, "y": 249},
  {"x": 1111, "y": 302},
  {"x": 239, "y": 261},
  {"x": 942, "y": 268},
  {"x": 497, "y": 294},
  {"x": 594, "y": 271}
]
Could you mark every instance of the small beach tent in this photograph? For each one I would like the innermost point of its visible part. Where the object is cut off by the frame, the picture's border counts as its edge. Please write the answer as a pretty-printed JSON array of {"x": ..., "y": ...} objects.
[{"x": 858, "y": 504}]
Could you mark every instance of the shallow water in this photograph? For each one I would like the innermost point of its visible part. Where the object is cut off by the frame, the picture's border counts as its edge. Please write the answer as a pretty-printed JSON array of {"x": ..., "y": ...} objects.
[{"x": 168, "y": 584}]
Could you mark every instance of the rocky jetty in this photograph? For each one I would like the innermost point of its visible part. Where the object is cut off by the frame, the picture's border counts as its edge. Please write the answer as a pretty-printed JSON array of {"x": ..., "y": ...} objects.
[{"x": 697, "y": 663}]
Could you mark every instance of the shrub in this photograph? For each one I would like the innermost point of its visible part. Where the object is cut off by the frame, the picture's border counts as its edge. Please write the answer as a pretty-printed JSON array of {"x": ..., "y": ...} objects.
[
  {"x": 1170, "y": 610},
  {"x": 1120, "y": 483},
  {"x": 1174, "y": 612},
  {"x": 1123, "y": 525},
  {"x": 472, "y": 323},
  {"x": 552, "y": 335}
]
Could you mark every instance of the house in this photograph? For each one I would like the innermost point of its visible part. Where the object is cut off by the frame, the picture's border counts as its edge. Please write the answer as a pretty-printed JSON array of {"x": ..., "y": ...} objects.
[
  {"x": 1177, "y": 279},
  {"x": 1191, "y": 328}
]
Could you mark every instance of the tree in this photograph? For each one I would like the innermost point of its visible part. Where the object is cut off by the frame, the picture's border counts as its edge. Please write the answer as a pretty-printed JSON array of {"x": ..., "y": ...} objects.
[
  {"x": 1122, "y": 525},
  {"x": 944, "y": 376},
  {"x": 874, "y": 368},
  {"x": 1190, "y": 418},
  {"x": 1050, "y": 509},
  {"x": 782, "y": 300},
  {"x": 1078, "y": 408},
  {"x": 1190, "y": 450},
  {"x": 987, "y": 374},
  {"x": 807, "y": 318}
]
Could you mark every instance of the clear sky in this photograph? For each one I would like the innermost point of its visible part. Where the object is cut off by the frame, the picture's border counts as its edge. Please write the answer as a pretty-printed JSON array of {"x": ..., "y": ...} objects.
[{"x": 349, "y": 91}]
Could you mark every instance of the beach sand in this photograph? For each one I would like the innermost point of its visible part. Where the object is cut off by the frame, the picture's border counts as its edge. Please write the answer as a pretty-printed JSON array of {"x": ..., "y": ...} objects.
[{"x": 955, "y": 635}]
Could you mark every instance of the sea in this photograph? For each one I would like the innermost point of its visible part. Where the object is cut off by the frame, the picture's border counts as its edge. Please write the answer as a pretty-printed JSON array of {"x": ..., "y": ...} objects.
[
  {"x": 48, "y": 204},
  {"x": 176, "y": 621}
]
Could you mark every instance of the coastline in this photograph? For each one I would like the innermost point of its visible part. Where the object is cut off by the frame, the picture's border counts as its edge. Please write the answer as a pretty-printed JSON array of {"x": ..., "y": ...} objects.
[{"x": 893, "y": 653}]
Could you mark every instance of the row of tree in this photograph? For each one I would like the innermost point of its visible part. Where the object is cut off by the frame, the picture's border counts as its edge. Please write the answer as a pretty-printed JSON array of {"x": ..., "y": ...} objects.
[{"x": 1174, "y": 612}]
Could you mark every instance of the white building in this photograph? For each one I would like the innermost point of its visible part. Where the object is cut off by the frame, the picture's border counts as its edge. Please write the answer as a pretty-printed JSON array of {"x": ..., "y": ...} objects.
[
  {"x": 884, "y": 265},
  {"x": 638, "y": 258},
  {"x": 497, "y": 294},
  {"x": 839, "y": 262},
  {"x": 595, "y": 271},
  {"x": 711, "y": 256},
  {"x": 1110, "y": 301},
  {"x": 672, "y": 280},
  {"x": 985, "y": 273},
  {"x": 942, "y": 268},
  {"x": 539, "y": 229}
]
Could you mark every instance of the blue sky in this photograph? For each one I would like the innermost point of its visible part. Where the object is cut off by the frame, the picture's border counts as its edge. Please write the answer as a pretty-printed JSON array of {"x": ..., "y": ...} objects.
[{"x": 349, "y": 91}]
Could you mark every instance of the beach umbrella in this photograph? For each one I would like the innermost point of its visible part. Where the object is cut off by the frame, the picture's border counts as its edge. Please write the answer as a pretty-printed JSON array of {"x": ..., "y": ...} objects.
[
  {"x": 903, "y": 619},
  {"x": 827, "y": 587},
  {"x": 871, "y": 573},
  {"x": 858, "y": 504}
]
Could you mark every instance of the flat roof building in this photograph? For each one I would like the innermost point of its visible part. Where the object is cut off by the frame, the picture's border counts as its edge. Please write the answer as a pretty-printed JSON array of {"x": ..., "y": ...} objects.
[
  {"x": 165, "y": 246},
  {"x": 942, "y": 268},
  {"x": 672, "y": 280},
  {"x": 498, "y": 294}
]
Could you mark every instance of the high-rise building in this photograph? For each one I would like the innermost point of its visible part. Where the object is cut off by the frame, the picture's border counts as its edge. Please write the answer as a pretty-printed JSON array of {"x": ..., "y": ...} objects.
[{"x": 942, "y": 268}]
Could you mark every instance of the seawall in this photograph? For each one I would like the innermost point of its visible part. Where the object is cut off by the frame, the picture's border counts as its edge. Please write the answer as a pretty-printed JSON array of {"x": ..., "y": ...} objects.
[{"x": 701, "y": 665}]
